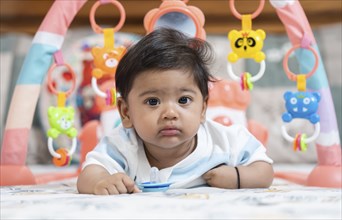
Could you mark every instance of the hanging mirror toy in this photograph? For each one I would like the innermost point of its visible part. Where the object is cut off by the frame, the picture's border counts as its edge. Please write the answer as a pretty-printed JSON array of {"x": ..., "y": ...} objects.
[
  {"x": 106, "y": 59},
  {"x": 61, "y": 118},
  {"x": 247, "y": 44},
  {"x": 301, "y": 104},
  {"x": 178, "y": 15}
]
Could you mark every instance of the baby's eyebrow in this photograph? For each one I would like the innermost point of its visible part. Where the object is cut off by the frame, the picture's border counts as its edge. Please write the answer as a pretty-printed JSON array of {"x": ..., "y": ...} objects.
[
  {"x": 148, "y": 92},
  {"x": 156, "y": 91},
  {"x": 188, "y": 90}
]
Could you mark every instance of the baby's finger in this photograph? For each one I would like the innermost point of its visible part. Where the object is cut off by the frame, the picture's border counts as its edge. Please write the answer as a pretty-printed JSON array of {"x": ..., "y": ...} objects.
[
  {"x": 101, "y": 191},
  {"x": 112, "y": 190},
  {"x": 136, "y": 189},
  {"x": 130, "y": 185},
  {"x": 121, "y": 187}
]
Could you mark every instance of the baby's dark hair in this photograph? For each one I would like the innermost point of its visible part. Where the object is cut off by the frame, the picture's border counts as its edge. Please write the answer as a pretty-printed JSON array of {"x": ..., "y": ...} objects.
[{"x": 165, "y": 49}]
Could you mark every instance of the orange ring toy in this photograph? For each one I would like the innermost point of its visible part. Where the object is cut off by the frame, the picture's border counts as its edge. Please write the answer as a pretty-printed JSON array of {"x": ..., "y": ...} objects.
[
  {"x": 96, "y": 27},
  {"x": 239, "y": 16},
  {"x": 287, "y": 70},
  {"x": 52, "y": 88},
  {"x": 64, "y": 160}
]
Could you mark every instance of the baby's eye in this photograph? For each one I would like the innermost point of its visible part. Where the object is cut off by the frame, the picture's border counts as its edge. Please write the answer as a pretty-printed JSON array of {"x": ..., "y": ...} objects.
[
  {"x": 184, "y": 100},
  {"x": 152, "y": 101}
]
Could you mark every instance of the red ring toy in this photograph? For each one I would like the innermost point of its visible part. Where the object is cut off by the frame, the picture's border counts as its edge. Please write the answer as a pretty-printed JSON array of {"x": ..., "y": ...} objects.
[
  {"x": 96, "y": 27},
  {"x": 239, "y": 16},
  {"x": 50, "y": 84},
  {"x": 64, "y": 160},
  {"x": 287, "y": 70}
]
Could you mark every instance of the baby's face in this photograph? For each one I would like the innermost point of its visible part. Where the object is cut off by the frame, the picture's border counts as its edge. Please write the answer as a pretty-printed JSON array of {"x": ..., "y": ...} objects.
[{"x": 166, "y": 108}]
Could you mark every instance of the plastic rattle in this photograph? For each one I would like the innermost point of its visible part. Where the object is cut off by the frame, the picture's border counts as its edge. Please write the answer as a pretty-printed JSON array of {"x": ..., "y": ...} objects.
[
  {"x": 246, "y": 79},
  {"x": 106, "y": 59},
  {"x": 154, "y": 185},
  {"x": 61, "y": 118},
  {"x": 178, "y": 15},
  {"x": 246, "y": 43},
  {"x": 302, "y": 104}
]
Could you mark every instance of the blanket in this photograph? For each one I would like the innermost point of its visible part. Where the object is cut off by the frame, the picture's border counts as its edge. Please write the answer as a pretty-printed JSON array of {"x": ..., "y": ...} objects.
[{"x": 283, "y": 200}]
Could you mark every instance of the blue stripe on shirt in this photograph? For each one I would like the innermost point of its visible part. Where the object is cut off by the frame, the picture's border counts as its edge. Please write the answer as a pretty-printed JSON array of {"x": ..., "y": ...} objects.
[
  {"x": 106, "y": 147},
  {"x": 199, "y": 167},
  {"x": 250, "y": 147}
]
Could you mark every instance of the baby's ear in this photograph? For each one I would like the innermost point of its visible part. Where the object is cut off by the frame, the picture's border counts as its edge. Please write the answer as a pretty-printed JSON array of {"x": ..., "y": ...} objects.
[
  {"x": 124, "y": 114},
  {"x": 204, "y": 109}
]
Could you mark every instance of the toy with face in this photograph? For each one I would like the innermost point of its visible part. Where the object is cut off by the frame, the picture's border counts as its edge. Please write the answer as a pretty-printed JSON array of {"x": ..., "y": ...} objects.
[
  {"x": 171, "y": 7},
  {"x": 246, "y": 44},
  {"x": 61, "y": 120},
  {"x": 106, "y": 60},
  {"x": 301, "y": 105}
]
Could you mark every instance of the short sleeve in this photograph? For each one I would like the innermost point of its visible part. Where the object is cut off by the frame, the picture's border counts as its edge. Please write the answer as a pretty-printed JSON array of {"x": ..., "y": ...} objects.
[
  {"x": 108, "y": 156},
  {"x": 245, "y": 148}
]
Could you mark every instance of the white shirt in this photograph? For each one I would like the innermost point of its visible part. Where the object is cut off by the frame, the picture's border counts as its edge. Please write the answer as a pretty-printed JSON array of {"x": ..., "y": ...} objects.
[{"x": 123, "y": 151}]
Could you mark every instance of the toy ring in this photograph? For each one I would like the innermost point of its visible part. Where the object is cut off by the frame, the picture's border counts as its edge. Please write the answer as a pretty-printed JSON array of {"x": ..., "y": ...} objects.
[
  {"x": 52, "y": 88},
  {"x": 96, "y": 88},
  {"x": 110, "y": 95},
  {"x": 288, "y": 72},
  {"x": 64, "y": 159},
  {"x": 239, "y": 16},
  {"x": 57, "y": 155},
  {"x": 307, "y": 140},
  {"x": 253, "y": 79},
  {"x": 97, "y": 28}
]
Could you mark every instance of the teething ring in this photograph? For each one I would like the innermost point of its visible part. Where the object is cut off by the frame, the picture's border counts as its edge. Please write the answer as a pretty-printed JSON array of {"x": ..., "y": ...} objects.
[
  {"x": 253, "y": 78},
  {"x": 52, "y": 88},
  {"x": 58, "y": 155},
  {"x": 287, "y": 70},
  {"x": 97, "y": 28},
  {"x": 64, "y": 159},
  {"x": 239, "y": 16},
  {"x": 307, "y": 140},
  {"x": 109, "y": 95},
  {"x": 96, "y": 88}
]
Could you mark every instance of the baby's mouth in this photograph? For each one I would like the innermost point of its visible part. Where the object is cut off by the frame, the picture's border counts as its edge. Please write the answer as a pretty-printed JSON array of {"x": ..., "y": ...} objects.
[{"x": 170, "y": 131}]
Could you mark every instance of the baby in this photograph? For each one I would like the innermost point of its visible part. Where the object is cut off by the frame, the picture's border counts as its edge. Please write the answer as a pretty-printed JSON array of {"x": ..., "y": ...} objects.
[{"x": 162, "y": 84}]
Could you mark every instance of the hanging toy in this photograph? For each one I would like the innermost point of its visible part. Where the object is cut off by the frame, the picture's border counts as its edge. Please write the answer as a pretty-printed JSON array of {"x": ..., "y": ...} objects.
[
  {"x": 61, "y": 118},
  {"x": 178, "y": 15},
  {"x": 106, "y": 59},
  {"x": 301, "y": 104},
  {"x": 246, "y": 43}
]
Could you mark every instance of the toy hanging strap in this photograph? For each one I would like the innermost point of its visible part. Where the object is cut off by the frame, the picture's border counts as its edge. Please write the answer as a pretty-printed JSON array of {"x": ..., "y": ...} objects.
[
  {"x": 246, "y": 22},
  {"x": 108, "y": 34}
]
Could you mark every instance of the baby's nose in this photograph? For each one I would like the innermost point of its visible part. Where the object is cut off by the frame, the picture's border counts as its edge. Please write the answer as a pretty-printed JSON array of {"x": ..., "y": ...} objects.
[{"x": 170, "y": 112}]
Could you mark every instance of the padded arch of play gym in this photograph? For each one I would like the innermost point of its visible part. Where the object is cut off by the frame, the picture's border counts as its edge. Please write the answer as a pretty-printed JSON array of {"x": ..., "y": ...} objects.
[{"x": 49, "y": 39}]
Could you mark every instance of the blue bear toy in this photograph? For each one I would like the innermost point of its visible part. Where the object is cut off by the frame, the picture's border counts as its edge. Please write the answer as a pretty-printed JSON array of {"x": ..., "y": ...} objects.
[{"x": 301, "y": 105}]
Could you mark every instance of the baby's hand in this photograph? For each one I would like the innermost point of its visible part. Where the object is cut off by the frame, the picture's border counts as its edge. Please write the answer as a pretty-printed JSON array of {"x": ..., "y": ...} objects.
[
  {"x": 117, "y": 183},
  {"x": 221, "y": 177}
]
